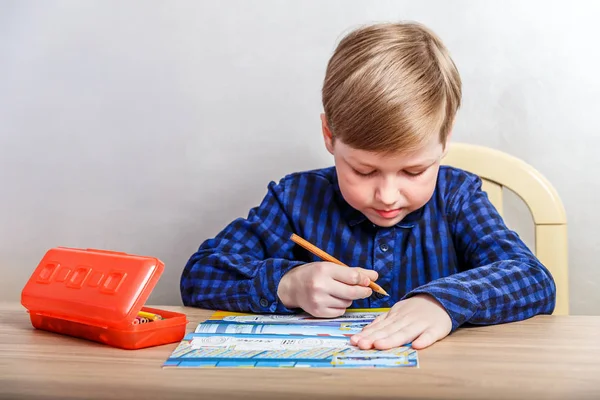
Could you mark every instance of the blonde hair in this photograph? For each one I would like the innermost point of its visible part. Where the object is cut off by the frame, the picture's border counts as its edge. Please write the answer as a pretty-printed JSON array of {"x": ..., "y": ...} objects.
[{"x": 389, "y": 87}]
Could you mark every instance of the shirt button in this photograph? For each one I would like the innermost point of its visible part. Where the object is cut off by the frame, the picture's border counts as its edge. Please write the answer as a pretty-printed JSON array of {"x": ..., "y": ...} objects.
[
  {"x": 264, "y": 303},
  {"x": 379, "y": 295},
  {"x": 384, "y": 247}
]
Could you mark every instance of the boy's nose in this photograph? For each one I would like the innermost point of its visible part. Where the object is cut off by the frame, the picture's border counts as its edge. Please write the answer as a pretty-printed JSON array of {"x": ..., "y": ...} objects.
[{"x": 388, "y": 195}]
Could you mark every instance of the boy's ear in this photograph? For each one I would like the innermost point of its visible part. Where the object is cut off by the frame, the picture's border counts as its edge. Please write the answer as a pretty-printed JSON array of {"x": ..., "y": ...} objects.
[
  {"x": 447, "y": 144},
  {"x": 327, "y": 136}
]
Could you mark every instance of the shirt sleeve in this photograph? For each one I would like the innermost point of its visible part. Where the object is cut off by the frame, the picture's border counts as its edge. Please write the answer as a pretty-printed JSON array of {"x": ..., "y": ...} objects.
[
  {"x": 240, "y": 269},
  {"x": 502, "y": 280}
]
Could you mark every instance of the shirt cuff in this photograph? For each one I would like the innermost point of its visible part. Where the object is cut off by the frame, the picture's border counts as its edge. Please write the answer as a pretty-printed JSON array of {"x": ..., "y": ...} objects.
[{"x": 263, "y": 290}]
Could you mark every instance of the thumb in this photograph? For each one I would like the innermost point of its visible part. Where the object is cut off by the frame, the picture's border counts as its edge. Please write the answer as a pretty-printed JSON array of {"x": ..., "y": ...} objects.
[{"x": 369, "y": 273}]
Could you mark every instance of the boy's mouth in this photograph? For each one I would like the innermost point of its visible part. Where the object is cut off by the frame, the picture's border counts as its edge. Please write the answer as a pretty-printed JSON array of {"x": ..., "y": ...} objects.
[{"x": 389, "y": 213}]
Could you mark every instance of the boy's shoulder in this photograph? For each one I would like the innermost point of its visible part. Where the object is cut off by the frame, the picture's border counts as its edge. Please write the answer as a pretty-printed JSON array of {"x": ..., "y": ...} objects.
[
  {"x": 327, "y": 173},
  {"x": 454, "y": 183},
  {"x": 449, "y": 176},
  {"x": 306, "y": 183},
  {"x": 321, "y": 177},
  {"x": 309, "y": 188}
]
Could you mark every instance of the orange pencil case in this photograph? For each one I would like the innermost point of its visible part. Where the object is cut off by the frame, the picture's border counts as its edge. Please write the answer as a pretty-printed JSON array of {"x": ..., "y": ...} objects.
[{"x": 96, "y": 295}]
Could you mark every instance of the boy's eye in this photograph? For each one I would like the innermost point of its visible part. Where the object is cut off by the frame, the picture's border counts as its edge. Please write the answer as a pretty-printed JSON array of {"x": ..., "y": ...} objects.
[
  {"x": 410, "y": 173},
  {"x": 365, "y": 174}
]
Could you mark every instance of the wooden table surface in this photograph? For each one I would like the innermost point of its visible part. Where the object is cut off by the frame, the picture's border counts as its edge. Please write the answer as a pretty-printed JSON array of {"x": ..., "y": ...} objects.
[{"x": 549, "y": 357}]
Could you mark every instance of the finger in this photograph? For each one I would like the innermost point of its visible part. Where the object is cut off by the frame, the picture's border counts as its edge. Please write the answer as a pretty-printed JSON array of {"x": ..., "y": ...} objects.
[
  {"x": 368, "y": 340},
  {"x": 328, "y": 312},
  {"x": 426, "y": 339},
  {"x": 379, "y": 318},
  {"x": 380, "y": 322},
  {"x": 317, "y": 302},
  {"x": 352, "y": 276},
  {"x": 374, "y": 326},
  {"x": 348, "y": 292},
  {"x": 336, "y": 302},
  {"x": 371, "y": 274},
  {"x": 375, "y": 322},
  {"x": 398, "y": 338}
]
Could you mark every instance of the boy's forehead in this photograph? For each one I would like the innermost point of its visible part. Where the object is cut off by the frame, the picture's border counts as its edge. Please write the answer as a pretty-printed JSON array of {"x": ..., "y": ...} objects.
[{"x": 428, "y": 153}]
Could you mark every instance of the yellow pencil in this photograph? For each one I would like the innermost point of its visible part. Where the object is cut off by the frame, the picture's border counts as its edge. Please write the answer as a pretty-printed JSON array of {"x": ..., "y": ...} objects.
[
  {"x": 150, "y": 316},
  {"x": 323, "y": 255}
]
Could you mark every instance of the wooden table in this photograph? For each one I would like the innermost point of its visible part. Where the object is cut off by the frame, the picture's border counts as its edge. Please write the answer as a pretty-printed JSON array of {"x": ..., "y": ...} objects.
[{"x": 547, "y": 357}]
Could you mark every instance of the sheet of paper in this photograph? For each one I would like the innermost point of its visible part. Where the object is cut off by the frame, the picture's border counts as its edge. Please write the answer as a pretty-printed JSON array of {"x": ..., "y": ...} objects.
[{"x": 247, "y": 340}]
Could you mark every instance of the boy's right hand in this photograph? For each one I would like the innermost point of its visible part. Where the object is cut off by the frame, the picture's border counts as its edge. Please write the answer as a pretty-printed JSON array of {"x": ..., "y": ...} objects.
[{"x": 324, "y": 289}]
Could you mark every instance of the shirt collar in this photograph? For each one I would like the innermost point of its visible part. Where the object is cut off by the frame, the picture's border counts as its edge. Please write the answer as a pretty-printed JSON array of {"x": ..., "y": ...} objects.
[{"x": 355, "y": 217}]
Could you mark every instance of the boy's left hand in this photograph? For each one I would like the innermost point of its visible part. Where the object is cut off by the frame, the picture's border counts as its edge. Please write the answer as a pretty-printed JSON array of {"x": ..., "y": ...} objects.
[{"x": 419, "y": 319}]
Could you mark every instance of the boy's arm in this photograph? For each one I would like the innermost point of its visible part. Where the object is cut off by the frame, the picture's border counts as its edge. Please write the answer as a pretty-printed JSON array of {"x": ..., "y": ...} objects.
[
  {"x": 503, "y": 280},
  {"x": 240, "y": 269}
]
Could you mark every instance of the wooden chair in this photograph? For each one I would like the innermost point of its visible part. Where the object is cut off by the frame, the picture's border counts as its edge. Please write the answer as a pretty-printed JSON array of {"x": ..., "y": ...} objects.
[{"x": 499, "y": 170}]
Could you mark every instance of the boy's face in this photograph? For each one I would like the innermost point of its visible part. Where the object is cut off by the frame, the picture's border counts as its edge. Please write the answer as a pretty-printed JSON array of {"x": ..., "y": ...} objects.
[{"x": 385, "y": 188}]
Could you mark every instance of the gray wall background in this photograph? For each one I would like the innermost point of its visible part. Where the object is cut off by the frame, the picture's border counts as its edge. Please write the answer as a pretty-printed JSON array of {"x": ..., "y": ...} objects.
[{"x": 146, "y": 126}]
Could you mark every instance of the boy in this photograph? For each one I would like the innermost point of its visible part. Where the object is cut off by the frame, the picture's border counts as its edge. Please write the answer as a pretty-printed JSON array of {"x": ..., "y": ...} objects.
[{"x": 426, "y": 233}]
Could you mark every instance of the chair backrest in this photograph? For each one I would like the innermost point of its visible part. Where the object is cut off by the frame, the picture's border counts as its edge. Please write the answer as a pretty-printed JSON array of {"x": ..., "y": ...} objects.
[{"x": 499, "y": 170}]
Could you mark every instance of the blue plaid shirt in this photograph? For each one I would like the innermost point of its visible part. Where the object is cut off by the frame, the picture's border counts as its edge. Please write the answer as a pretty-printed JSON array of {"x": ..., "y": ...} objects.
[{"x": 455, "y": 248}]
